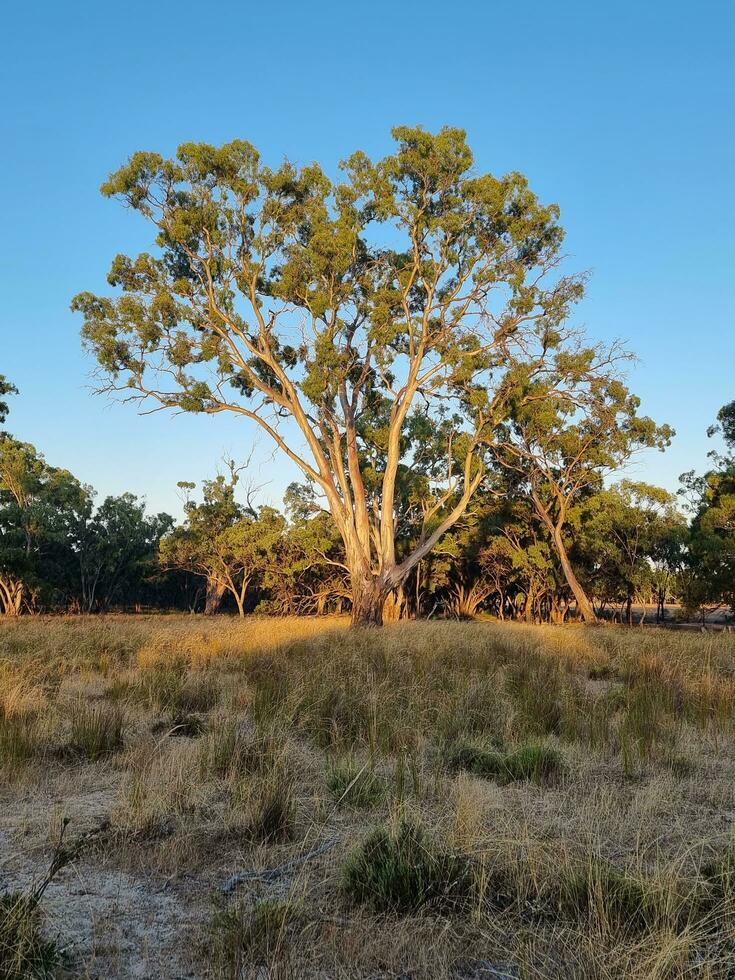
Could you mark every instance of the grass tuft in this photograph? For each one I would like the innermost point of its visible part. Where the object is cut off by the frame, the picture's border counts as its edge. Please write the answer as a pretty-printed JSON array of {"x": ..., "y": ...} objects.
[
  {"x": 249, "y": 935},
  {"x": 354, "y": 784},
  {"x": 97, "y": 730},
  {"x": 401, "y": 868},
  {"x": 273, "y": 810},
  {"x": 18, "y": 741},
  {"x": 24, "y": 953},
  {"x": 533, "y": 761}
]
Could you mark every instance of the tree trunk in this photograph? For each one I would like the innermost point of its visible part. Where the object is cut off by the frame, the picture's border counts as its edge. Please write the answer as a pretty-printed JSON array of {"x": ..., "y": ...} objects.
[
  {"x": 368, "y": 600},
  {"x": 215, "y": 592},
  {"x": 394, "y": 607},
  {"x": 11, "y": 597},
  {"x": 584, "y": 606}
]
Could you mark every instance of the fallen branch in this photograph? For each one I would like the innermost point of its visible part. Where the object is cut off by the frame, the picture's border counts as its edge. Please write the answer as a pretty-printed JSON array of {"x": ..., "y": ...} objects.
[{"x": 271, "y": 874}]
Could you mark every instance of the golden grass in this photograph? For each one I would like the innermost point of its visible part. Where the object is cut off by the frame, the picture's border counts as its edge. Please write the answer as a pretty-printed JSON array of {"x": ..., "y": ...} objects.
[{"x": 217, "y": 745}]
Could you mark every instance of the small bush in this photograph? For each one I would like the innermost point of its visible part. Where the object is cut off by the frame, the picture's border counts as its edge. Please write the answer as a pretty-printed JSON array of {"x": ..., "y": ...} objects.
[
  {"x": 24, "y": 953},
  {"x": 354, "y": 784},
  {"x": 96, "y": 730},
  {"x": 402, "y": 869},
  {"x": 533, "y": 761}
]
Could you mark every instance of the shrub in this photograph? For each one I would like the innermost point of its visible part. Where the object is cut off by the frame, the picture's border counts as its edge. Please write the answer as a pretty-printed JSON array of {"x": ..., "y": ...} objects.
[{"x": 402, "y": 869}]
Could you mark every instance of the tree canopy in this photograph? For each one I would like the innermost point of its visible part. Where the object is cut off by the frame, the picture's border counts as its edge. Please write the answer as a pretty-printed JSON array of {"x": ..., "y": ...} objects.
[
  {"x": 6, "y": 388},
  {"x": 331, "y": 312}
]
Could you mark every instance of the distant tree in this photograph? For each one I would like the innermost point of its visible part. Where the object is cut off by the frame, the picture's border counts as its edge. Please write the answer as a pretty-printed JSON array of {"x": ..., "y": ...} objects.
[
  {"x": 307, "y": 571},
  {"x": 190, "y": 547},
  {"x": 116, "y": 548},
  {"x": 6, "y": 388},
  {"x": 331, "y": 314},
  {"x": 520, "y": 549},
  {"x": 627, "y": 531},
  {"x": 226, "y": 543},
  {"x": 576, "y": 424},
  {"x": 710, "y": 580},
  {"x": 39, "y": 506}
]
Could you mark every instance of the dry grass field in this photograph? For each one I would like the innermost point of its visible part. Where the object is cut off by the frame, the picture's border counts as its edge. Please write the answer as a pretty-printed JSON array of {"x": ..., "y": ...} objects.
[{"x": 182, "y": 797}]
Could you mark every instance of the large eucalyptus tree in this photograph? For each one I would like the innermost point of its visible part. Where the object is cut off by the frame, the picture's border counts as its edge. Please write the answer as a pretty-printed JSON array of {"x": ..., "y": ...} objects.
[{"x": 331, "y": 314}]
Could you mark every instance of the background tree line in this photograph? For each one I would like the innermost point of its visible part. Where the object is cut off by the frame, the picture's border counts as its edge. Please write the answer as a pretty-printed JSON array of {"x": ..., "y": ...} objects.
[{"x": 536, "y": 537}]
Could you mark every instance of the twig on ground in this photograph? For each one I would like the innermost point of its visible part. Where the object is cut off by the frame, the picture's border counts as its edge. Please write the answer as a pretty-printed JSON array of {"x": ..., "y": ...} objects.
[{"x": 270, "y": 874}]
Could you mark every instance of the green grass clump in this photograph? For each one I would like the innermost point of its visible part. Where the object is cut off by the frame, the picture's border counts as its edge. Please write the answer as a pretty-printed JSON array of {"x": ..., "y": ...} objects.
[
  {"x": 232, "y": 752},
  {"x": 401, "y": 869},
  {"x": 97, "y": 730},
  {"x": 354, "y": 784},
  {"x": 24, "y": 953},
  {"x": 534, "y": 762},
  {"x": 601, "y": 891}
]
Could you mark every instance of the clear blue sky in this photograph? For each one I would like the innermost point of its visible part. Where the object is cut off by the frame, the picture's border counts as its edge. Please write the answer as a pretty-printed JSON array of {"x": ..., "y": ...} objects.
[{"x": 622, "y": 112}]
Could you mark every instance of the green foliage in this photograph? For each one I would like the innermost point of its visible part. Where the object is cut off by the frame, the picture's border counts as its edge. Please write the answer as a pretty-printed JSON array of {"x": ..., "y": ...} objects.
[
  {"x": 229, "y": 545},
  {"x": 401, "y": 868},
  {"x": 117, "y": 548},
  {"x": 709, "y": 576},
  {"x": 532, "y": 761},
  {"x": 55, "y": 548},
  {"x": 40, "y": 506},
  {"x": 6, "y": 388},
  {"x": 630, "y": 541}
]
